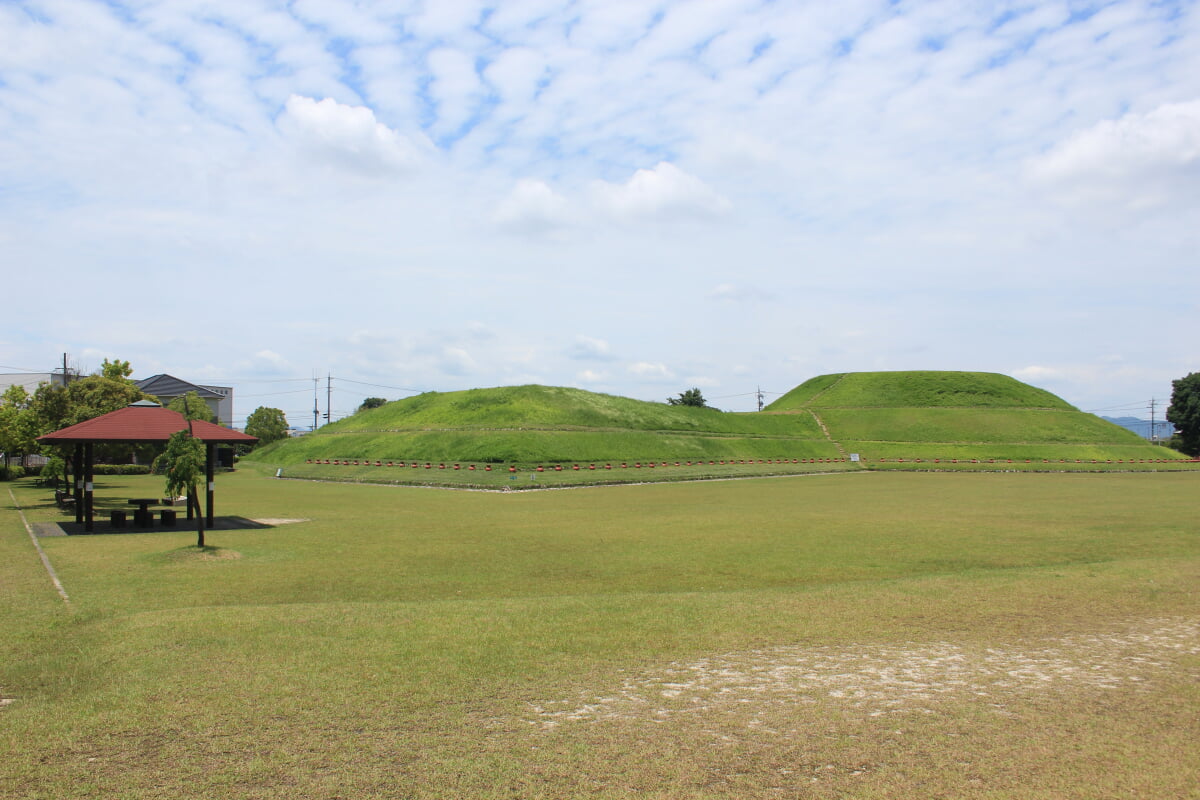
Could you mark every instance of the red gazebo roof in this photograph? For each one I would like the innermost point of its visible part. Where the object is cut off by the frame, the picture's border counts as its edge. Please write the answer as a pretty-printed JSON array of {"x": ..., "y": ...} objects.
[{"x": 138, "y": 423}]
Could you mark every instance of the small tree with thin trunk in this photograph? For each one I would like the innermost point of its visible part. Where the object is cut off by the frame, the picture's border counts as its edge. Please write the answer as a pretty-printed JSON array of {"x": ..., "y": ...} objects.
[{"x": 184, "y": 461}]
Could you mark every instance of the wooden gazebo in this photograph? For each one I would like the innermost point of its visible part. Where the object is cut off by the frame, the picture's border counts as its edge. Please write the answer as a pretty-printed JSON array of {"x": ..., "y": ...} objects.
[{"x": 141, "y": 423}]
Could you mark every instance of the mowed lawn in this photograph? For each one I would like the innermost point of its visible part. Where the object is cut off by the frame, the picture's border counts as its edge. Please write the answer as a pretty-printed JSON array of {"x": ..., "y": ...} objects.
[{"x": 858, "y": 635}]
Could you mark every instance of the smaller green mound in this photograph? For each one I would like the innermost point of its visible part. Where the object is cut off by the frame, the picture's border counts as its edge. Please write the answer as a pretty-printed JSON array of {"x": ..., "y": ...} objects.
[
  {"x": 537, "y": 407},
  {"x": 532, "y": 424},
  {"x": 917, "y": 390}
]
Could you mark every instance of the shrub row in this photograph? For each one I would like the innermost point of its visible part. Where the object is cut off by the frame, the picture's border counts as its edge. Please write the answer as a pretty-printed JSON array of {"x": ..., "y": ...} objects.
[
  {"x": 121, "y": 469},
  {"x": 12, "y": 473}
]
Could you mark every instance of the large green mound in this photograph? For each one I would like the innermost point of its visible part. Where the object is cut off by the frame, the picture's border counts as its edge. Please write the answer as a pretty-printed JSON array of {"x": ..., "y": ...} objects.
[
  {"x": 917, "y": 390},
  {"x": 958, "y": 415}
]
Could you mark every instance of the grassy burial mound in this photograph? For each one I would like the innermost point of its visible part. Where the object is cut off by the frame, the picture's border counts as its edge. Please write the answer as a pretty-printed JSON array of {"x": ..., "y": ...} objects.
[
  {"x": 959, "y": 415},
  {"x": 551, "y": 425}
]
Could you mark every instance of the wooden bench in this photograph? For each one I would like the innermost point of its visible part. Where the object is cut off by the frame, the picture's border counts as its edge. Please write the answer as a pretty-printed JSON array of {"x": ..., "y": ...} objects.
[{"x": 63, "y": 500}]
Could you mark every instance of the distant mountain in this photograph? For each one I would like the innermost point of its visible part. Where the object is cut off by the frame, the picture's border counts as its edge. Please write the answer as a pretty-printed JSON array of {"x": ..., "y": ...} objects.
[{"x": 1141, "y": 427}]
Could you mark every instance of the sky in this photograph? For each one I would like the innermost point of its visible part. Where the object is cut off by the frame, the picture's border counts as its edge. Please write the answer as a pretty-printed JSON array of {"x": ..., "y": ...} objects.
[{"x": 634, "y": 198}]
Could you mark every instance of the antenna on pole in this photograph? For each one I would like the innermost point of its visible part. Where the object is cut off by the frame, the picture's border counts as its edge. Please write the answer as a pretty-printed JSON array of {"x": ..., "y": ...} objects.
[
  {"x": 316, "y": 411},
  {"x": 328, "y": 398}
]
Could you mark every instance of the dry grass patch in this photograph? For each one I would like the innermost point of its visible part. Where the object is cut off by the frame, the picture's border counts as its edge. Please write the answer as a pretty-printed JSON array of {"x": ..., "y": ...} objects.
[{"x": 882, "y": 679}]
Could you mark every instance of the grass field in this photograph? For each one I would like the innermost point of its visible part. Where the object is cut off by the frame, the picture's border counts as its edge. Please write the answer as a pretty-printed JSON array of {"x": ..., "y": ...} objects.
[{"x": 858, "y": 635}]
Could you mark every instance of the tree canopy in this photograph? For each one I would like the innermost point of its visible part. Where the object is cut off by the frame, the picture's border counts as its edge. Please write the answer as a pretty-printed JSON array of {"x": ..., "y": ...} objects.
[
  {"x": 115, "y": 370},
  {"x": 18, "y": 428},
  {"x": 372, "y": 402},
  {"x": 1184, "y": 412},
  {"x": 192, "y": 406},
  {"x": 692, "y": 397},
  {"x": 268, "y": 424}
]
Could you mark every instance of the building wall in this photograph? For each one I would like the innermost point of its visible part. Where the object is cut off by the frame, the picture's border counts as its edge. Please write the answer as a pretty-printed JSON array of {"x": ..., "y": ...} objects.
[
  {"x": 30, "y": 380},
  {"x": 223, "y": 408}
]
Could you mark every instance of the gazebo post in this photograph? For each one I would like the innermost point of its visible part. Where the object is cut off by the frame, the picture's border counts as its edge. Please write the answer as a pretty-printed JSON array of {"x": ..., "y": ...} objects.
[
  {"x": 88, "y": 486},
  {"x": 77, "y": 470},
  {"x": 209, "y": 456}
]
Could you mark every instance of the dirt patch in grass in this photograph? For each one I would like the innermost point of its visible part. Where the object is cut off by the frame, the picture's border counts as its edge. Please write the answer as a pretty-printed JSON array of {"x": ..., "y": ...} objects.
[
  {"x": 201, "y": 554},
  {"x": 879, "y": 680}
]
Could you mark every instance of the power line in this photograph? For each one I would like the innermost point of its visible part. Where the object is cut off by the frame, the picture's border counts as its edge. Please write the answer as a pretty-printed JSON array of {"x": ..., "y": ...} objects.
[
  {"x": 379, "y": 385},
  {"x": 1126, "y": 407},
  {"x": 276, "y": 394}
]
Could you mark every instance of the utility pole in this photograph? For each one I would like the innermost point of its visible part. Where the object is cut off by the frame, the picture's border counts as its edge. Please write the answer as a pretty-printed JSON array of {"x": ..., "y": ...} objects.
[
  {"x": 1153, "y": 435},
  {"x": 66, "y": 375},
  {"x": 760, "y": 398},
  {"x": 316, "y": 413},
  {"x": 328, "y": 398}
]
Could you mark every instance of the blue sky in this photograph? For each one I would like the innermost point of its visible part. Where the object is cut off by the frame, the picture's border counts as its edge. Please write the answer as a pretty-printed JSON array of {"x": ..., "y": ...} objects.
[{"x": 628, "y": 197}]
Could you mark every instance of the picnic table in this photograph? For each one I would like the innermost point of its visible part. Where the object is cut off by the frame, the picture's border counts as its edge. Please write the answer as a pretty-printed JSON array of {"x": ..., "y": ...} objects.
[{"x": 144, "y": 517}]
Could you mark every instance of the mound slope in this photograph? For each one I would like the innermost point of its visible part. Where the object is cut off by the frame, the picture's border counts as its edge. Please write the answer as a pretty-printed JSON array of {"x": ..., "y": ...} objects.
[
  {"x": 526, "y": 424},
  {"x": 957, "y": 415},
  {"x": 917, "y": 390}
]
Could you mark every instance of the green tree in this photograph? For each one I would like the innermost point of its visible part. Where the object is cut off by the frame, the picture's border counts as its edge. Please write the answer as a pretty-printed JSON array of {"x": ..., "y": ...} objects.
[
  {"x": 192, "y": 406},
  {"x": 54, "y": 407},
  {"x": 115, "y": 370},
  {"x": 59, "y": 406},
  {"x": 692, "y": 397},
  {"x": 18, "y": 427},
  {"x": 268, "y": 424},
  {"x": 184, "y": 462},
  {"x": 54, "y": 470},
  {"x": 372, "y": 402},
  {"x": 1184, "y": 412}
]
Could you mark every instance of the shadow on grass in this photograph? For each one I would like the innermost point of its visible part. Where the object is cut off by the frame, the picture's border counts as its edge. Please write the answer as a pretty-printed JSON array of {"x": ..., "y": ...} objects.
[
  {"x": 182, "y": 525},
  {"x": 194, "y": 553}
]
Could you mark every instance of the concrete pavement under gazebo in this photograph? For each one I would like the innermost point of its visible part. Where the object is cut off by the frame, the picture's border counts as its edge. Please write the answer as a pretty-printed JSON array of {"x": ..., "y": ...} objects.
[{"x": 143, "y": 422}]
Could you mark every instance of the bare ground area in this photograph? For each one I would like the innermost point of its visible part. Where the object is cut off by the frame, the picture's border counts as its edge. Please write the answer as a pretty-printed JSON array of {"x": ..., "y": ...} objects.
[{"x": 879, "y": 680}]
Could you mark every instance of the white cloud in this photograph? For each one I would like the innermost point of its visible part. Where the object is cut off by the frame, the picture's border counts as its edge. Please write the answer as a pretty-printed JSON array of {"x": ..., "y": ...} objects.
[
  {"x": 585, "y": 348},
  {"x": 1138, "y": 160},
  {"x": 665, "y": 192},
  {"x": 265, "y": 362},
  {"x": 350, "y": 136},
  {"x": 645, "y": 369},
  {"x": 532, "y": 207},
  {"x": 456, "y": 361},
  {"x": 516, "y": 73},
  {"x": 733, "y": 293},
  {"x": 1035, "y": 373},
  {"x": 455, "y": 89}
]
